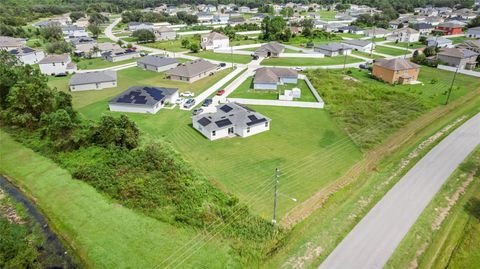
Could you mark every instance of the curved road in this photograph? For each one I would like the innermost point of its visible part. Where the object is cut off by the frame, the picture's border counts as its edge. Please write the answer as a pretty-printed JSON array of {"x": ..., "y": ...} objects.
[{"x": 371, "y": 243}]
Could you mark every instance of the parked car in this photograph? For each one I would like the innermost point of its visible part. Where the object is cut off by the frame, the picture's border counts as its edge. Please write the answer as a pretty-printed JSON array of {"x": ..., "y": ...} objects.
[
  {"x": 189, "y": 103},
  {"x": 362, "y": 66},
  {"x": 207, "y": 102},
  {"x": 255, "y": 57},
  {"x": 179, "y": 100},
  {"x": 187, "y": 94},
  {"x": 299, "y": 68},
  {"x": 221, "y": 92},
  {"x": 142, "y": 53},
  {"x": 222, "y": 64},
  {"x": 197, "y": 111}
]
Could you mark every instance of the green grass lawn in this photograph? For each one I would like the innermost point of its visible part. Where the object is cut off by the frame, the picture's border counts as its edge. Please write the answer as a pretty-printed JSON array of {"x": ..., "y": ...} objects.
[
  {"x": 367, "y": 54},
  {"x": 337, "y": 60},
  {"x": 327, "y": 15},
  {"x": 102, "y": 233},
  {"x": 99, "y": 63},
  {"x": 455, "y": 243},
  {"x": 301, "y": 41},
  {"x": 459, "y": 39},
  {"x": 134, "y": 77},
  {"x": 245, "y": 42},
  {"x": 349, "y": 35},
  {"x": 245, "y": 90},
  {"x": 389, "y": 51},
  {"x": 223, "y": 57},
  {"x": 172, "y": 45},
  {"x": 412, "y": 45}
]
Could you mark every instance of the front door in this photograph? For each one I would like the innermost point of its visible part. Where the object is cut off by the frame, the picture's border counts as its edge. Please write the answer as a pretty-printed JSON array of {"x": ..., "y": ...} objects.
[{"x": 230, "y": 130}]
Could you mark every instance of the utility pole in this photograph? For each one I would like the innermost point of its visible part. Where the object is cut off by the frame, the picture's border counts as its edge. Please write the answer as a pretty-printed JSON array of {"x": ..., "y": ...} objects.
[
  {"x": 231, "y": 54},
  {"x": 344, "y": 60},
  {"x": 451, "y": 86},
  {"x": 406, "y": 49},
  {"x": 277, "y": 174},
  {"x": 373, "y": 41}
]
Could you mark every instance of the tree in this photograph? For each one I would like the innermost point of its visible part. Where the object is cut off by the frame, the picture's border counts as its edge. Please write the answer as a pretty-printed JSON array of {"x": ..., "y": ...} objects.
[
  {"x": 287, "y": 12},
  {"x": 52, "y": 33},
  {"x": 8, "y": 75},
  {"x": 430, "y": 51},
  {"x": 474, "y": 22},
  {"x": 58, "y": 47},
  {"x": 342, "y": 7},
  {"x": 273, "y": 29},
  {"x": 97, "y": 18},
  {"x": 185, "y": 43},
  {"x": 95, "y": 29},
  {"x": 144, "y": 36},
  {"x": 75, "y": 15},
  {"x": 307, "y": 27},
  {"x": 110, "y": 131},
  {"x": 423, "y": 40},
  {"x": 194, "y": 47}
]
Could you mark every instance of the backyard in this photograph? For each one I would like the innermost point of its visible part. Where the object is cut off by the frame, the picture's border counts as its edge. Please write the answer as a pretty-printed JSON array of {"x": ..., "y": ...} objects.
[
  {"x": 337, "y": 60},
  {"x": 411, "y": 45},
  {"x": 245, "y": 90},
  {"x": 390, "y": 51},
  {"x": 223, "y": 57}
]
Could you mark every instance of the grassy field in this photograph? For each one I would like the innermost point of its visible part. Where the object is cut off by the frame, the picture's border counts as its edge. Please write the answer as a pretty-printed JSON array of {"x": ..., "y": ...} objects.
[
  {"x": 438, "y": 240},
  {"x": 301, "y": 41},
  {"x": 459, "y": 39},
  {"x": 223, "y": 57},
  {"x": 134, "y": 77},
  {"x": 327, "y": 15},
  {"x": 367, "y": 54},
  {"x": 412, "y": 45},
  {"x": 99, "y": 63},
  {"x": 245, "y": 90},
  {"x": 389, "y": 51},
  {"x": 349, "y": 35},
  {"x": 245, "y": 42},
  {"x": 103, "y": 234},
  {"x": 173, "y": 45},
  {"x": 337, "y": 60}
]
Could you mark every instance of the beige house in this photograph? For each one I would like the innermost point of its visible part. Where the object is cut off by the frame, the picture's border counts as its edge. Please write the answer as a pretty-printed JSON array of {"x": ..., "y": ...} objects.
[
  {"x": 164, "y": 33},
  {"x": 192, "y": 71},
  {"x": 395, "y": 71}
]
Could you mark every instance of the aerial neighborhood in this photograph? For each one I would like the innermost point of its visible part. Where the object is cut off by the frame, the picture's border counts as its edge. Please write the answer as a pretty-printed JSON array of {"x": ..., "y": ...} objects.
[{"x": 240, "y": 134}]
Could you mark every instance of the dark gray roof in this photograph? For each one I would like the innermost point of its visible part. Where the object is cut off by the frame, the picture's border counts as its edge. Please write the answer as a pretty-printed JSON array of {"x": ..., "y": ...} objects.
[
  {"x": 157, "y": 61},
  {"x": 396, "y": 64},
  {"x": 357, "y": 42},
  {"x": 273, "y": 74},
  {"x": 273, "y": 47},
  {"x": 231, "y": 114},
  {"x": 143, "y": 95},
  {"x": 422, "y": 26},
  {"x": 22, "y": 51},
  {"x": 457, "y": 53},
  {"x": 118, "y": 53},
  {"x": 55, "y": 58},
  {"x": 93, "y": 77},
  {"x": 135, "y": 23},
  {"x": 81, "y": 40},
  {"x": 332, "y": 46},
  {"x": 192, "y": 69}
]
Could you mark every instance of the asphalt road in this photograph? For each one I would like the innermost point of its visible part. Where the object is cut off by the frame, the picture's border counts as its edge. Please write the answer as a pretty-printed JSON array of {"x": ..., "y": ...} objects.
[{"x": 371, "y": 243}]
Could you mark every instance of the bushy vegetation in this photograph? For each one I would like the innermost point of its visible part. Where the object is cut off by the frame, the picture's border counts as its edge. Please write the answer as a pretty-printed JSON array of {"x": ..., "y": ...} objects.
[
  {"x": 152, "y": 178},
  {"x": 366, "y": 111}
]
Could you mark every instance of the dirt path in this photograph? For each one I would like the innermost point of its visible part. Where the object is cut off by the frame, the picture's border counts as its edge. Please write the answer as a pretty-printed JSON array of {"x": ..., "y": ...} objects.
[{"x": 372, "y": 158}]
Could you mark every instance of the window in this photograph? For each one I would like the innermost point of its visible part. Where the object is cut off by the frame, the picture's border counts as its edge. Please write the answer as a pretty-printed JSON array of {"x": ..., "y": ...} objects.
[
  {"x": 248, "y": 129},
  {"x": 266, "y": 124},
  {"x": 213, "y": 133}
]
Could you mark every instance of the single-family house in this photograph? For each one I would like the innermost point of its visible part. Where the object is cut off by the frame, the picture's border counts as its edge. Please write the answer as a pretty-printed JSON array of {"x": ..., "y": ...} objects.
[
  {"x": 352, "y": 29},
  {"x": 395, "y": 71},
  {"x": 95, "y": 50},
  {"x": 473, "y": 45},
  {"x": 57, "y": 64},
  {"x": 192, "y": 71},
  {"x": 164, "y": 33},
  {"x": 440, "y": 42},
  {"x": 333, "y": 49},
  {"x": 359, "y": 44},
  {"x": 449, "y": 28},
  {"x": 204, "y": 17},
  {"x": 95, "y": 80},
  {"x": 258, "y": 17},
  {"x": 473, "y": 32},
  {"x": 120, "y": 55},
  {"x": 75, "y": 41},
  {"x": 271, "y": 49},
  {"x": 424, "y": 28},
  {"x": 134, "y": 26},
  {"x": 221, "y": 18},
  {"x": 48, "y": 23},
  {"x": 210, "y": 8},
  {"x": 230, "y": 120},
  {"x": 332, "y": 27},
  {"x": 236, "y": 20},
  {"x": 268, "y": 78},
  {"x": 28, "y": 55},
  {"x": 461, "y": 58},
  {"x": 376, "y": 32},
  {"x": 143, "y": 99},
  {"x": 82, "y": 22},
  {"x": 404, "y": 35},
  {"x": 244, "y": 9},
  {"x": 157, "y": 63},
  {"x": 9, "y": 43},
  {"x": 214, "y": 40},
  {"x": 72, "y": 31}
]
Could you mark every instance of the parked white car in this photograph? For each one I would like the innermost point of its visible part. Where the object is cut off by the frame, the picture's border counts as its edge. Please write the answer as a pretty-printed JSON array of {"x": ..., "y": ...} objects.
[
  {"x": 179, "y": 100},
  {"x": 187, "y": 94},
  {"x": 299, "y": 68}
]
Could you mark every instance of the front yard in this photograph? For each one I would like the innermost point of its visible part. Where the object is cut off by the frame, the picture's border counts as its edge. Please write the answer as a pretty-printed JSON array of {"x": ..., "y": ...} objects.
[
  {"x": 411, "y": 45},
  {"x": 99, "y": 63},
  {"x": 337, "y": 60},
  {"x": 389, "y": 51},
  {"x": 223, "y": 57}
]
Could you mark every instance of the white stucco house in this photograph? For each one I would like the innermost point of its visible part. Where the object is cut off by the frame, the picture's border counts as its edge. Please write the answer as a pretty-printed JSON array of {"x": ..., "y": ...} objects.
[
  {"x": 9, "y": 43},
  {"x": 57, "y": 64},
  {"x": 214, "y": 40},
  {"x": 120, "y": 55},
  {"x": 333, "y": 49},
  {"x": 268, "y": 78},
  {"x": 473, "y": 32},
  {"x": 73, "y": 31},
  {"x": 28, "y": 55},
  {"x": 143, "y": 99},
  {"x": 157, "y": 63},
  {"x": 96, "y": 80},
  {"x": 440, "y": 42},
  {"x": 404, "y": 35},
  {"x": 164, "y": 33},
  {"x": 192, "y": 71},
  {"x": 360, "y": 45},
  {"x": 230, "y": 120},
  {"x": 134, "y": 26}
]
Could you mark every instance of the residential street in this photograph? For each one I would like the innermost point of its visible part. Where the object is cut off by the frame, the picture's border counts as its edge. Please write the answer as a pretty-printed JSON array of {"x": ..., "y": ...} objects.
[{"x": 373, "y": 240}]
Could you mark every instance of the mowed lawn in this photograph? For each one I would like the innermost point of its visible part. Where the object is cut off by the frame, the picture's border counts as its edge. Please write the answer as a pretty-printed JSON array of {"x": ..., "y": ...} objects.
[
  {"x": 134, "y": 77},
  {"x": 337, "y": 60},
  {"x": 223, "y": 57},
  {"x": 389, "y": 51},
  {"x": 302, "y": 143},
  {"x": 99, "y": 63},
  {"x": 327, "y": 15},
  {"x": 171, "y": 45},
  {"x": 104, "y": 234},
  {"x": 245, "y": 90},
  {"x": 367, "y": 54},
  {"x": 412, "y": 45}
]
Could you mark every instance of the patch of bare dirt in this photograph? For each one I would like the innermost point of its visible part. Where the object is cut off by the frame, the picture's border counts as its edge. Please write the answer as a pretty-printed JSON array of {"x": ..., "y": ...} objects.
[
  {"x": 414, "y": 263},
  {"x": 8, "y": 211},
  {"x": 311, "y": 253}
]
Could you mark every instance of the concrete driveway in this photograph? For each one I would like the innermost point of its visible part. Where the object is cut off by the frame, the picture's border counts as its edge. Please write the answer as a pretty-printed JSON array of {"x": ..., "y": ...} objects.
[{"x": 371, "y": 243}]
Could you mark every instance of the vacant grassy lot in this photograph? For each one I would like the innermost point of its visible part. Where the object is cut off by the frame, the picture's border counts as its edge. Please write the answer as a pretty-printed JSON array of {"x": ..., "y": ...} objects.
[
  {"x": 349, "y": 35},
  {"x": 337, "y": 60},
  {"x": 301, "y": 41},
  {"x": 223, "y": 57},
  {"x": 245, "y": 90},
  {"x": 459, "y": 39},
  {"x": 171, "y": 45},
  {"x": 103, "y": 234},
  {"x": 367, "y": 54},
  {"x": 412, "y": 45},
  {"x": 389, "y": 51},
  {"x": 134, "y": 77},
  {"x": 327, "y": 15},
  {"x": 99, "y": 63},
  {"x": 245, "y": 42},
  {"x": 438, "y": 240}
]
